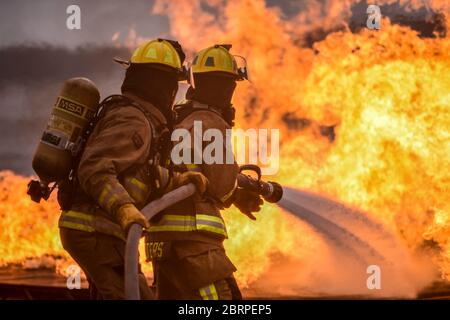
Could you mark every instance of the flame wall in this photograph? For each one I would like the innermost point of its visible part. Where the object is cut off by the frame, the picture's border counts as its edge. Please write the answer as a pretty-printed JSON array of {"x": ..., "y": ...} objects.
[{"x": 385, "y": 94}]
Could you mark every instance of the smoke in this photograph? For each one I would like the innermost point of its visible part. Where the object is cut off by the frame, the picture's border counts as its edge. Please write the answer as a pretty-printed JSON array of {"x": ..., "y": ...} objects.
[
  {"x": 38, "y": 52},
  {"x": 44, "y": 21},
  {"x": 30, "y": 79},
  {"x": 312, "y": 21}
]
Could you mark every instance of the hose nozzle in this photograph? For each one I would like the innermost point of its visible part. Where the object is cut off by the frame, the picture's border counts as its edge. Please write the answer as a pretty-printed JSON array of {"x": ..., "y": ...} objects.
[{"x": 271, "y": 191}]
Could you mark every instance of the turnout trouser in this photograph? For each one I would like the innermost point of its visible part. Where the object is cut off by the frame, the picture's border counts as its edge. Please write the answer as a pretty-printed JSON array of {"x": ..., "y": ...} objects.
[
  {"x": 190, "y": 270},
  {"x": 102, "y": 259}
]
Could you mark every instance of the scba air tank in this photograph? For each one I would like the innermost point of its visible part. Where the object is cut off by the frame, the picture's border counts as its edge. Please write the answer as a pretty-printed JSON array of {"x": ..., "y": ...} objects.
[{"x": 74, "y": 109}]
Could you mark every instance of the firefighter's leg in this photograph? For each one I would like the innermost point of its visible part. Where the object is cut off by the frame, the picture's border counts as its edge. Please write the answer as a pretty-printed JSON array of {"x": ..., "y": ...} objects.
[
  {"x": 144, "y": 289},
  {"x": 168, "y": 288},
  {"x": 225, "y": 289},
  {"x": 99, "y": 258},
  {"x": 166, "y": 280},
  {"x": 234, "y": 288},
  {"x": 195, "y": 271},
  {"x": 102, "y": 259},
  {"x": 93, "y": 292}
]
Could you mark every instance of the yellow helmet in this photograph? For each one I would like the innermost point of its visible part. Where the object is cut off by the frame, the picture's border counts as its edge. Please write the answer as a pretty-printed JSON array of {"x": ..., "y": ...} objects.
[
  {"x": 160, "y": 52},
  {"x": 215, "y": 59}
]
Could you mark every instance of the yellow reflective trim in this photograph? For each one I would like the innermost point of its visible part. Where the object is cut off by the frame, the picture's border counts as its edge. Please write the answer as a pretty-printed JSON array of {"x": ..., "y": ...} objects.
[
  {"x": 76, "y": 226},
  {"x": 177, "y": 217},
  {"x": 136, "y": 189},
  {"x": 163, "y": 225},
  {"x": 103, "y": 194},
  {"x": 214, "y": 292},
  {"x": 111, "y": 201},
  {"x": 171, "y": 228},
  {"x": 209, "y": 218},
  {"x": 203, "y": 294},
  {"x": 190, "y": 223},
  {"x": 209, "y": 292},
  {"x": 138, "y": 184},
  {"x": 151, "y": 53},
  {"x": 108, "y": 191},
  {"x": 168, "y": 58},
  {"x": 193, "y": 167},
  {"x": 205, "y": 227},
  {"x": 77, "y": 214}
]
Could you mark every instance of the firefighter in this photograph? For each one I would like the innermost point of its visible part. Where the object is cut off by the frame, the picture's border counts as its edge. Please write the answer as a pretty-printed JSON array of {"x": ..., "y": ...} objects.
[
  {"x": 115, "y": 176},
  {"x": 185, "y": 242}
]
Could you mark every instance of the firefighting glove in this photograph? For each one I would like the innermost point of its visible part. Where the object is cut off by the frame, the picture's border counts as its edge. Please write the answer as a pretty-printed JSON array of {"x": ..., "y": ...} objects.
[
  {"x": 128, "y": 214},
  {"x": 197, "y": 178},
  {"x": 247, "y": 202}
]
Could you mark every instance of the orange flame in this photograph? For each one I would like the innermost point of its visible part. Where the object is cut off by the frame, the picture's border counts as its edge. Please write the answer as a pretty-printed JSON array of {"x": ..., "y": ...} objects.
[{"x": 387, "y": 94}]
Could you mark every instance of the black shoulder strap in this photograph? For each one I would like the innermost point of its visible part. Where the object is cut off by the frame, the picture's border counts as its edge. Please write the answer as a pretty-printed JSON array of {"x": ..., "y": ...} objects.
[{"x": 160, "y": 147}]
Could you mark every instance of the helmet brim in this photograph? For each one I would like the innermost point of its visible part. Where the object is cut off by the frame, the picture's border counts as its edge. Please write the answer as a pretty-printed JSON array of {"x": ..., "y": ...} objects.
[{"x": 122, "y": 62}]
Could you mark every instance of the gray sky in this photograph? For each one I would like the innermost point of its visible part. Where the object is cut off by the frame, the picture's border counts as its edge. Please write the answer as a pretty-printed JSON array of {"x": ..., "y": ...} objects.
[{"x": 25, "y": 21}]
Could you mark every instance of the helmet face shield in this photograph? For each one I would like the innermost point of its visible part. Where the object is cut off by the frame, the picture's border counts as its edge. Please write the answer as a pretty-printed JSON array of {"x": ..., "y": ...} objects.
[
  {"x": 191, "y": 76},
  {"x": 184, "y": 72},
  {"x": 241, "y": 63}
]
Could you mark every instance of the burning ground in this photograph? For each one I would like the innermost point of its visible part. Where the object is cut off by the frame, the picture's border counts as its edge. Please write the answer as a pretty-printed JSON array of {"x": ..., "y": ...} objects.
[{"x": 365, "y": 121}]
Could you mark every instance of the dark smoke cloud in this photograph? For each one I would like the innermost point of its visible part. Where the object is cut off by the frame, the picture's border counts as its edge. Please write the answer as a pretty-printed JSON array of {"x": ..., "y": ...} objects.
[
  {"x": 31, "y": 21},
  {"x": 34, "y": 65},
  {"x": 31, "y": 73},
  {"x": 426, "y": 22},
  {"x": 30, "y": 79}
]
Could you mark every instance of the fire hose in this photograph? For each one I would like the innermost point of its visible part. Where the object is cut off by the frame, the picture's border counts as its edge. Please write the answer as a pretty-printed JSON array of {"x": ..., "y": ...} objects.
[
  {"x": 270, "y": 191},
  {"x": 135, "y": 233}
]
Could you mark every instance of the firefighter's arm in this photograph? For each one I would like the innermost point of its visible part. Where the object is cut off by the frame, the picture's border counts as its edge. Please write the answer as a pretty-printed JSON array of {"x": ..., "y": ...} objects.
[
  {"x": 221, "y": 174},
  {"x": 120, "y": 140},
  {"x": 223, "y": 187},
  {"x": 179, "y": 179},
  {"x": 225, "y": 190}
]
